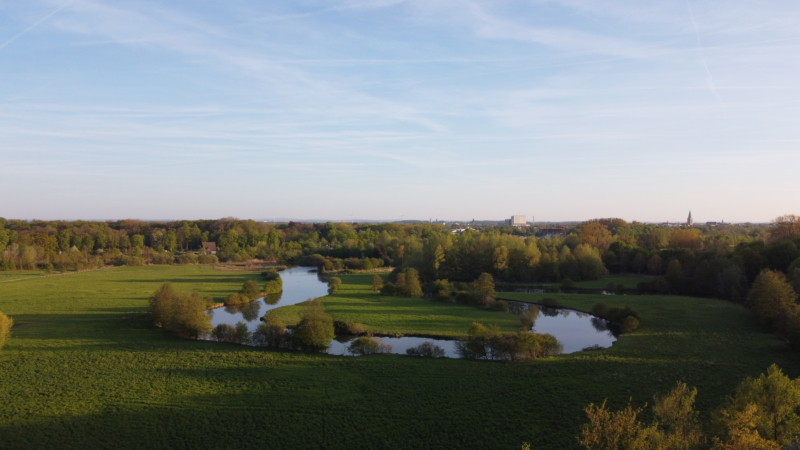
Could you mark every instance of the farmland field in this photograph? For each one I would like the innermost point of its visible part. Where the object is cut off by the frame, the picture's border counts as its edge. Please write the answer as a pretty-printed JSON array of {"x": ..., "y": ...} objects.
[{"x": 84, "y": 369}]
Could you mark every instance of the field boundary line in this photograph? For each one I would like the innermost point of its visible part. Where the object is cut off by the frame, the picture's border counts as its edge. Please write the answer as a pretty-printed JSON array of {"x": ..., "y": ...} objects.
[{"x": 57, "y": 274}]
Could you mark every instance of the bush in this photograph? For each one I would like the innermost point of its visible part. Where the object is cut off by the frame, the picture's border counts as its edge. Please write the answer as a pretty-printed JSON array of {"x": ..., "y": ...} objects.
[
  {"x": 224, "y": 333},
  {"x": 186, "y": 258},
  {"x": 273, "y": 287},
  {"x": 208, "y": 259},
  {"x": 629, "y": 325},
  {"x": 368, "y": 346},
  {"x": 250, "y": 290},
  {"x": 489, "y": 343},
  {"x": 315, "y": 330},
  {"x": 500, "y": 305},
  {"x": 236, "y": 299},
  {"x": 348, "y": 328},
  {"x": 618, "y": 314},
  {"x": 566, "y": 283},
  {"x": 5, "y": 328},
  {"x": 333, "y": 284},
  {"x": 377, "y": 282},
  {"x": 242, "y": 335},
  {"x": 389, "y": 289},
  {"x": 550, "y": 302},
  {"x": 131, "y": 261},
  {"x": 426, "y": 350},
  {"x": 552, "y": 289},
  {"x": 270, "y": 275},
  {"x": 182, "y": 314},
  {"x": 271, "y": 333}
]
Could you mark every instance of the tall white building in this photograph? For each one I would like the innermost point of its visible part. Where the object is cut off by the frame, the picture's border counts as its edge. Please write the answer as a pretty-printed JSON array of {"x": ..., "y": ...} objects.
[{"x": 517, "y": 221}]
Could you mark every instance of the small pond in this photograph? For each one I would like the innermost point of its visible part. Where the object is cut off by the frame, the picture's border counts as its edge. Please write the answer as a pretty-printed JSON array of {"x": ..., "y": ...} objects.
[
  {"x": 574, "y": 330},
  {"x": 299, "y": 284}
]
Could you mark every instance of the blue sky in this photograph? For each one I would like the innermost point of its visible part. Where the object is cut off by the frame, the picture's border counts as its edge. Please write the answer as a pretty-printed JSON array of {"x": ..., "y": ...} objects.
[{"x": 392, "y": 109}]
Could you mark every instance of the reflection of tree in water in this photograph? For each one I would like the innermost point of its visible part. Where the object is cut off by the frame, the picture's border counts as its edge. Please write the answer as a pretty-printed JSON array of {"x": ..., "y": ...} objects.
[
  {"x": 599, "y": 324},
  {"x": 251, "y": 310},
  {"x": 273, "y": 299},
  {"x": 603, "y": 325},
  {"x": 565, "y": 312},
  {"x": 517, "y": 308},
  {"x": 529, "y": 317},
  {"x": 233, "y": 309},
  {"x": 549, "y": 312},
  {"x": 582, "y": 315}
]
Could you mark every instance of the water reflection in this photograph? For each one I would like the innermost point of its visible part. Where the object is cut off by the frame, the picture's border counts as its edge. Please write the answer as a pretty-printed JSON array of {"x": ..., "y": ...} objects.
[
  {"x": 599, "y": 324},
  {"x": 299, "y": 285},
  {"x": 575, "y": 330},
  {"x": 273, "y": 299}
]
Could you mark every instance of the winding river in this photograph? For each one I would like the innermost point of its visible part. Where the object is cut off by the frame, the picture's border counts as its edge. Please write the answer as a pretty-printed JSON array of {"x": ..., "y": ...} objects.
[{"x": 575, "y": 330}]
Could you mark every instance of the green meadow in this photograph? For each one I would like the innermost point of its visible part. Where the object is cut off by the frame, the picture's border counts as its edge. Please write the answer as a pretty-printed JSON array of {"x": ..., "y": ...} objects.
[
  {"x": 85, "y": 369},
  {"x": 355, "y": 301}
]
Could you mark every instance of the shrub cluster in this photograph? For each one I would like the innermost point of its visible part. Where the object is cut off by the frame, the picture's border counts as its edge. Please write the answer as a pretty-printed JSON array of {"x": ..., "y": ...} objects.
[
  {"x": 341, "y": 327},
  {"x": 334, "y": 283},
  {"x": 366, "y": 345},
  {"x": 489, "y": 343},
  {"x": 626, "y": 318},
  {"x": 182, "y": 314},
  {"x": 238, "y": 334},
  {"x": 272, "y": 333}
]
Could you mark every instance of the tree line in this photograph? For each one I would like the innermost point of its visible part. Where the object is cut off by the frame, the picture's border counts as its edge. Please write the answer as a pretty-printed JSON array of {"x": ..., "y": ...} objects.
[{"x": 710, "y": 261}]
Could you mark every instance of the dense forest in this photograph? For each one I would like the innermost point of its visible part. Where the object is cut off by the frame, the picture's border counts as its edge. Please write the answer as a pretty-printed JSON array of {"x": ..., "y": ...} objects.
[{"x": 721, "y": 261}]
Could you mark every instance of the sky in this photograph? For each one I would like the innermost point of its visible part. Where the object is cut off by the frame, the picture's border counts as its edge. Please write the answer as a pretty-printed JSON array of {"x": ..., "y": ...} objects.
[{"x": 400, "y": 109}]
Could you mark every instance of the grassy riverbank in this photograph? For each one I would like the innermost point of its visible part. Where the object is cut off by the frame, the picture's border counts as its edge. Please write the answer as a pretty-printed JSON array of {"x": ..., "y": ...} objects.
[{"x": 86, "y": 370}]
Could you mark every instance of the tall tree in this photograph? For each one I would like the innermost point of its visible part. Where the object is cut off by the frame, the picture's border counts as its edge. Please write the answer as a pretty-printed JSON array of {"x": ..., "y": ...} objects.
[
  {"x": 771, "y": 297},
  {"x": 315, "y": 330}
]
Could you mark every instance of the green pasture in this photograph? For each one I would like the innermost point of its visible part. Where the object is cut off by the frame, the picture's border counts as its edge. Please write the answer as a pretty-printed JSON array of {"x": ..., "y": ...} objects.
[{"x": 84, "y": 369}]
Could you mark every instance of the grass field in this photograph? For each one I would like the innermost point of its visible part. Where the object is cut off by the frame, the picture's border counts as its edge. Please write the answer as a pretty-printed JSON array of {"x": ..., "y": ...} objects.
[
  {"x": 86, "y": 370},
  {"x": 19, "y": 274},
  {"x": 357, "y": 302}
]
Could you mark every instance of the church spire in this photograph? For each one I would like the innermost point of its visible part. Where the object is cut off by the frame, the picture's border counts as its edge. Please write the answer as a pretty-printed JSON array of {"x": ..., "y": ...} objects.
[{"x": 689, "y": 220}]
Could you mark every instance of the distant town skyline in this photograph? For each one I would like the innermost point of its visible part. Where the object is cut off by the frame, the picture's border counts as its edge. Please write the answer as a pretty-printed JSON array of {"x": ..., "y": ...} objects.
[{"x": 400, "y": 109}]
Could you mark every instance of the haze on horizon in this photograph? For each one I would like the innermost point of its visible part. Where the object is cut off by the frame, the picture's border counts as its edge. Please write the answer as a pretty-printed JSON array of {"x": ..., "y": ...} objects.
[{"x": 400, "y": 109}]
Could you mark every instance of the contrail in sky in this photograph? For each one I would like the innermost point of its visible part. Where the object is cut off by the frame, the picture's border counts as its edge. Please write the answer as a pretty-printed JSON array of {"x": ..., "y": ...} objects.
[
  {"x": 709, "y": 78},
  {"x": 3, "y": 45}
]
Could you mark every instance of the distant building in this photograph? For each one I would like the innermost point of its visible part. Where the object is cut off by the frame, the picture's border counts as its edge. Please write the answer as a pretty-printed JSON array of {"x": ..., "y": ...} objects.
[
  {"x": 210, "y": 247},
  {"x": 689, "y": 220},
  {"x": 517, "y": 221}
]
